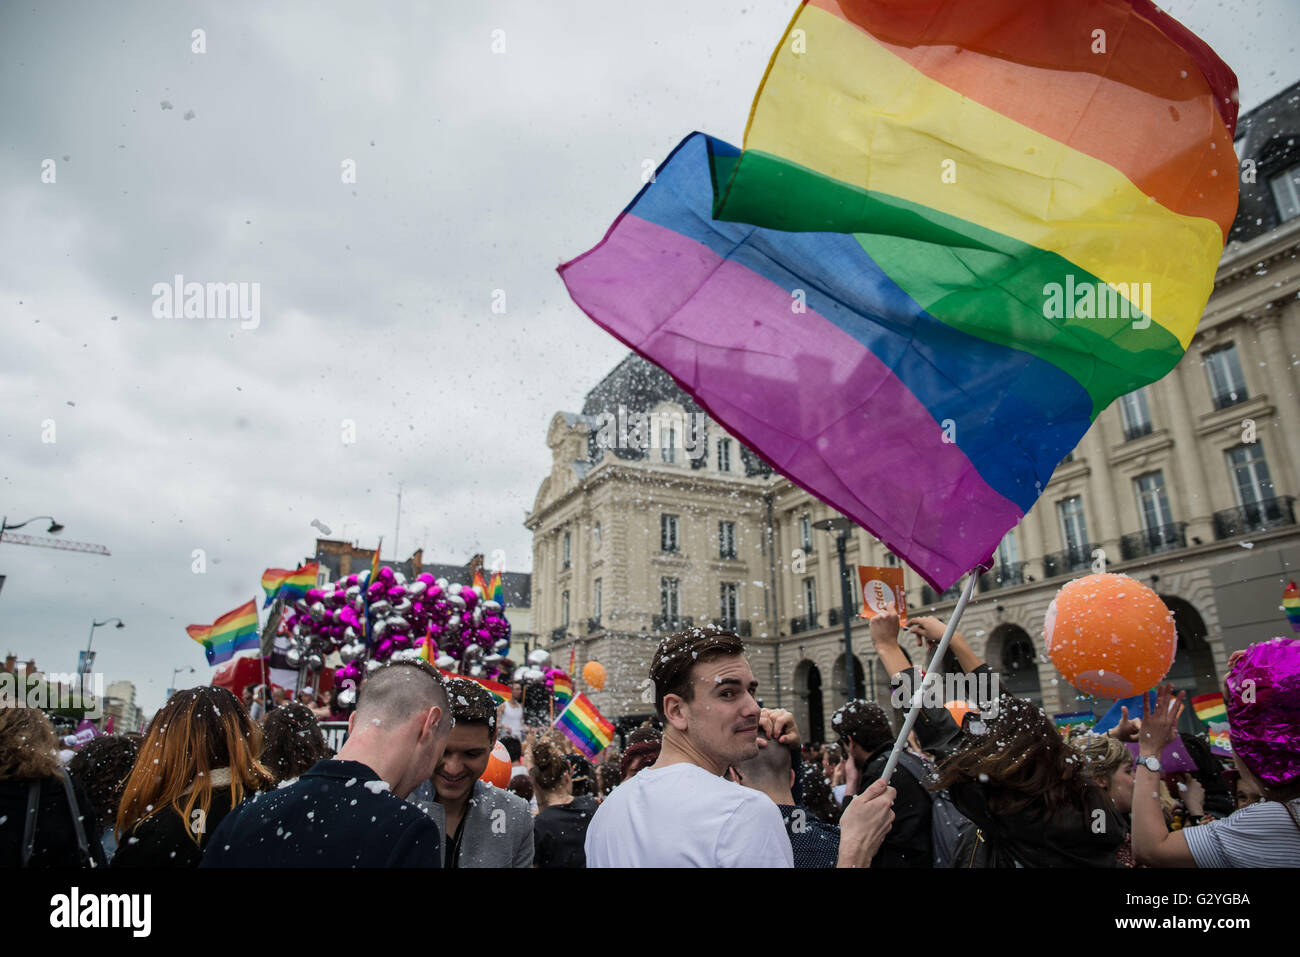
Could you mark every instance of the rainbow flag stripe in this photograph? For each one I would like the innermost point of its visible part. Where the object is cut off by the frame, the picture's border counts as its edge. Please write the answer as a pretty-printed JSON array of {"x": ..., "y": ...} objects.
[
  {"x": 499, "y": 692},
  {"x": 1291, "y": 605},
  {"x": 1210, "y": 707},
  {"x": 290, "y": 584},
  {"x": 588, "y": 729},
  {"x": 495, "y": 591},
  {"x": 1064, "y": 722},
  {"x": 234, "y": 631},
  {"x": 940, "y": 244},
  {"x": 562, "y": 688}
]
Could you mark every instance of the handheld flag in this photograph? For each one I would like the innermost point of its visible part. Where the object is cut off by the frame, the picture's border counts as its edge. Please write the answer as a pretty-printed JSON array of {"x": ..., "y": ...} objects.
[
  {"x": 562, "y": 688},
  {"x": 1210, "y": 707},
  {"x": 289, "y": 584},
  {"x": 1291, "y": 605},
  {"x": 938, "y": 245},
  {"x": 495, "y": 591},
  {"x": 588, "y": 729},
  {"x": 234, "y": 631}
]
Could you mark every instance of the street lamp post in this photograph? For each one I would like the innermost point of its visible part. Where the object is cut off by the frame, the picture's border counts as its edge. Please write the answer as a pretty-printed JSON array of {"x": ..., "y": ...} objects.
[
  {"x": 841, "y": 528},
  {"x": 175, "y": 672},
  {"x": 93, "y": 625},
  {"x": 54, "y": 528}
]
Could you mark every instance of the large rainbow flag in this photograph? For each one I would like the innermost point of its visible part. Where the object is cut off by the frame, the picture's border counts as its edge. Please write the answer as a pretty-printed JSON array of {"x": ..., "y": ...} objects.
[
  {"x": 290, "y": 584},
  {"x": 956, "y": 233},
  {"x": 589, "y": 730},
  {"x": 234, "y": 631}
]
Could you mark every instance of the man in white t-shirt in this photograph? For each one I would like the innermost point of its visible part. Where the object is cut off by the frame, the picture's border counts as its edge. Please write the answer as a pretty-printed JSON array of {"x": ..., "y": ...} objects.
[{"x": 682, "y": 811}]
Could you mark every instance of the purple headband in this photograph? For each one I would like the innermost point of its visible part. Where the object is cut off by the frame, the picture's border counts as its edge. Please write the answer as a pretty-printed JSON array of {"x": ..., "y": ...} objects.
[{"x": 1262, "y": 693}]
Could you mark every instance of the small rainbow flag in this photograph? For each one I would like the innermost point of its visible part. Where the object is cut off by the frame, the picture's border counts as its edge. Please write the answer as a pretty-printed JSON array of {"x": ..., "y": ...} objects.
[
  {"x": 1220, "y": 740},
  {"x": 498, "y": 691},
  {"x": 1210, "y": 707},
  {"x": 586, "y": 727},
  {"x": 234, "y": 631},
  {"x": 1064, "y": 722},
  {"x": 562, "y": 688},
  {"x": 1291, "y": 605},
  {"x": 495, "y": 591},
  {"x": 290, "y": 584}
]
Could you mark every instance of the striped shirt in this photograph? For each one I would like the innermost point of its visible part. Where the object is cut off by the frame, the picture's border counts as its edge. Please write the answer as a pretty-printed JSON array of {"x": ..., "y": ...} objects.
[{"x": 1266, "y": 834}]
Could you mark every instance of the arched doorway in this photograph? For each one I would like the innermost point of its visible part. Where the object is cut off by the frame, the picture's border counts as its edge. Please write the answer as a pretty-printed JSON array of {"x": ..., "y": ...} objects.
[
  {"x": 1012, "y": 654},
  {"x": 1193, "y": 667},
  {"x": 809, "y": 714}
]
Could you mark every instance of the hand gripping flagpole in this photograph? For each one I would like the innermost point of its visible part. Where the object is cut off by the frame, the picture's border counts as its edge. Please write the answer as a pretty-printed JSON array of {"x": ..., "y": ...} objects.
[{"x": 931, "y": 675}]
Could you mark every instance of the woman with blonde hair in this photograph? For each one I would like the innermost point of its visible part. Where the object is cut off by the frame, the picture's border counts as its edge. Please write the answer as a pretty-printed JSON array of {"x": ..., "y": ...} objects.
[
  {"x": 198, "y": 762},
  {"x": 50, "y": 819},
  {"x": 1110, "y": 765}
]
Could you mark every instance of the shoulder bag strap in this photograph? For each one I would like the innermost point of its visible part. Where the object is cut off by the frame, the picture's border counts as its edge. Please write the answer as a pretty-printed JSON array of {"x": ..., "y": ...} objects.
[
  {"x": 29, "y": 824},
  {"x": 76, "y": 816}
]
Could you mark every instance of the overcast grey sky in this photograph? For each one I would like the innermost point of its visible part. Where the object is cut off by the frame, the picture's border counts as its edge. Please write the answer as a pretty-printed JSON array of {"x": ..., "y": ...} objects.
[{"x": 475, "y": 172}]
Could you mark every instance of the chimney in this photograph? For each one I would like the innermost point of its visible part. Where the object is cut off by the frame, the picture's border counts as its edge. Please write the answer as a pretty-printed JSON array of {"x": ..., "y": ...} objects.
[{"x": 11, "y": 662}]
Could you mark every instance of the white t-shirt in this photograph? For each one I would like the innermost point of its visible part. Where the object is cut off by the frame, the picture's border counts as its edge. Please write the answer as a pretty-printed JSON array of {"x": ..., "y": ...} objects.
[
  {"x": 683, "y": 816},
  {"x": 512, "y": 719},
  {"x": 837, "y": 792}
]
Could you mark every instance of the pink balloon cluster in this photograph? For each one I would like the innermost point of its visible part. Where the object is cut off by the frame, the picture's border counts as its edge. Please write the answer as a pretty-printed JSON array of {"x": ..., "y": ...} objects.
[{"x": 456, "y": 618}]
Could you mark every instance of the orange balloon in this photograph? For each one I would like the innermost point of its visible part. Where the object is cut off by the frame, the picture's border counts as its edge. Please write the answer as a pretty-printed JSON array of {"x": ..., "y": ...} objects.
[
  {"x": 498, "y": 769},
  {"x": 593, "y": 672},
  {"x": 1110, "y": 635},
  {"x": 959, "y": 710}
]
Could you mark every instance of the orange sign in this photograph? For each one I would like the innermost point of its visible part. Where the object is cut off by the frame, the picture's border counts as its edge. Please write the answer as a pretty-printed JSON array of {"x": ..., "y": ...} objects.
[{"x": 877, "y": 587}]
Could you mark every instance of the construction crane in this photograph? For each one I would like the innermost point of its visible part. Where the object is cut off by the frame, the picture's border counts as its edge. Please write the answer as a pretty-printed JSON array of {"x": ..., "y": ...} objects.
[{"x": 14, "y": 538}]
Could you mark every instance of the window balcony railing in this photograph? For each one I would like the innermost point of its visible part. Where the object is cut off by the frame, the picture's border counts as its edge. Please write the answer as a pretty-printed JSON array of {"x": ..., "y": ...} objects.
[
  {"x": 670, "y": 623},
  {"x": 559, "y": 634},
  {"x": 743, "y": 628},
  {"x": 804, "y": 623},
  {"x": 1002, "y": 576},
  {"x": 1152, "y": 541},
  {"x": 931, "y": 597},
  {"x": 1069, "y": 560},
  {"x": 1136, "y": 431},
  {"x": 1261, "y": 516},
  {"x": 833, "y": 615},
  {"x": 593, "y": 624},
  {"x": 1223, "y": 400}
]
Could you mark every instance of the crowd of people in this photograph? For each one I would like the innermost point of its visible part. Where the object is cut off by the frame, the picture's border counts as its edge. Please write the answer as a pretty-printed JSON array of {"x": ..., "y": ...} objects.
[{"x": 718, "y": 780}]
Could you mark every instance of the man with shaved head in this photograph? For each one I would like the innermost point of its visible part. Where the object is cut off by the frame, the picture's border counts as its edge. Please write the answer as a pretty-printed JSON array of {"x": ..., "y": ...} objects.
[
  {"x": 682, "y": 811},
  {"x": 349, "y": 811},
  {"x": 772, "y": 771}
]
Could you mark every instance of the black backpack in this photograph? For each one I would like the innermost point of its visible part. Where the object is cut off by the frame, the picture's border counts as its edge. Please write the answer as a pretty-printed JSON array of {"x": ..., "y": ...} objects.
[{"x": 948, "y": 826}]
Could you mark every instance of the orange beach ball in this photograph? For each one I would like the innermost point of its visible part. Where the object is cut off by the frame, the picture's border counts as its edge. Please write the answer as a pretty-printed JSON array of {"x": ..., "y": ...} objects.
[{"x": 1110, "y": 635}]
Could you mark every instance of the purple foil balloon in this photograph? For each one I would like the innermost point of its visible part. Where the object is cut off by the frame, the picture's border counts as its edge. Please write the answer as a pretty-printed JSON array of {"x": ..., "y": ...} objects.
[{"x": 1263, "y": 700}]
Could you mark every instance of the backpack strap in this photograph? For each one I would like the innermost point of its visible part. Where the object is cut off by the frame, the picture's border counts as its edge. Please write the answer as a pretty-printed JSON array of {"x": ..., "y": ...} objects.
[
  {"x": 82, "y": 844},
  {"x": 29, "y": 823}
]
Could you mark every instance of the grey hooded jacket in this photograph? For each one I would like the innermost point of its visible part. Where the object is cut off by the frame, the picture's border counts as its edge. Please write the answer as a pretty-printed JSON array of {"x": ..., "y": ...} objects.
[{"x": 498, "y": 826}]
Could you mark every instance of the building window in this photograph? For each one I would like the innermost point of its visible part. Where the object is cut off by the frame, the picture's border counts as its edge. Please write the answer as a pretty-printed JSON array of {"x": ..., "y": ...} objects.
[
  {"x": 564, "y": 610},
  {"x": 724, "y": 455},
  {"x": 1074, "y": 528},
  {"x": 1227, "y": 384},
  {"x": 1286, "y": 190},
  {"x": 668, "y": 540},
  {"x": 1153, "y": 502},
  {"x": 890, "y": 559},
  {"x": 597, "y": 596},
  {"x": 1136, "y": 415},
  {"x": 668, "y": 443},
  {"x": 669, "y": 605},
  {"x": 1251, "y": 478},
  {"x": 595, "y": 537},
  {"x": 1068, "y": 459},
  {"x": 726, "y": 539},
  {"x": 567, "y": 550},
  {"x": 810, "y": 597},
  {"x": 805, "y": 532},
  {"x": 730, "y": 606},
  {"x": 1008, "y": 554}
]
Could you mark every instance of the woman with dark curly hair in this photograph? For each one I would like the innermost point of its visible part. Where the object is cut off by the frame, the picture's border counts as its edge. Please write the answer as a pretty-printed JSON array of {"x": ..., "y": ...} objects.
[
  {"x": 292, "y": 742},
  {"x": 198, "y": 761},
  {"x": 102, "y": 767}
]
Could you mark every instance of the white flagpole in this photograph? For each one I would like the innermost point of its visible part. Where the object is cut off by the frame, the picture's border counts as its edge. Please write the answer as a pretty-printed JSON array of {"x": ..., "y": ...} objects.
[{"x": 931, "y": 675}]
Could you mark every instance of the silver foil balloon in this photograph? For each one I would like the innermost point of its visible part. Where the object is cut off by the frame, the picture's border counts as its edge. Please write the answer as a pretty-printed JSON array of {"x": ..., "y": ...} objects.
[
  {"x": 317, "y": 611},
  {"x": 539, "y": 657},
  {"x": 417, "y": 588},
  {"x": 294, "y": 657},
  {"x": 315, "y": 662}
]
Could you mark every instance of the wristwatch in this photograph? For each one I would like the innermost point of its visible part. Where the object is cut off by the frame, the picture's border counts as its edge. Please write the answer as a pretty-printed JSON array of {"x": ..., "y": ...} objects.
[{"x": 1152, "y": 763}]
